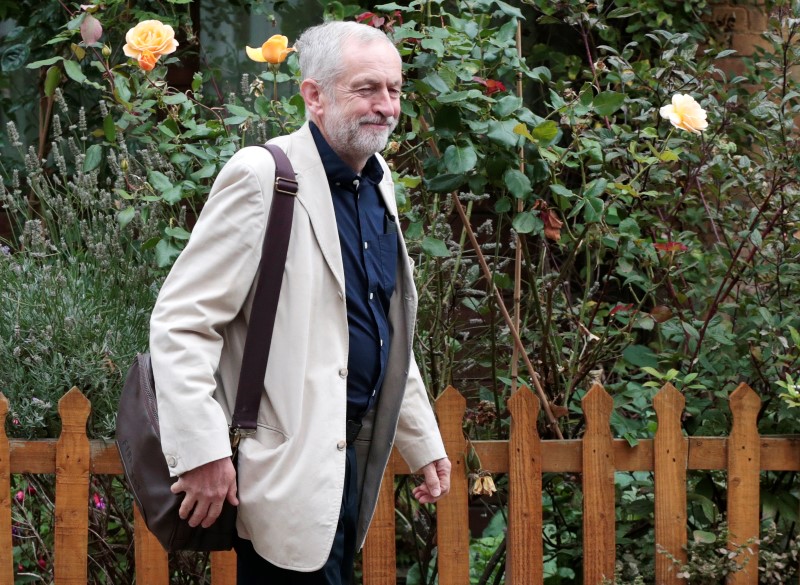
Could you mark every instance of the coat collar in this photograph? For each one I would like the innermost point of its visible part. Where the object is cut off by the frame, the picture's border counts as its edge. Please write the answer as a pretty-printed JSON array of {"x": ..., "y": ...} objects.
[{"x": 314, "y": 194}]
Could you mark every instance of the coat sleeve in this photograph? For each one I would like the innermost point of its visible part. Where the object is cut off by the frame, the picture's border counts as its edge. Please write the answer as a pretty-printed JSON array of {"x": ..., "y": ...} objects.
[
  {"x": 418, "y": 438},
  {"x": 205, "y": 290}
]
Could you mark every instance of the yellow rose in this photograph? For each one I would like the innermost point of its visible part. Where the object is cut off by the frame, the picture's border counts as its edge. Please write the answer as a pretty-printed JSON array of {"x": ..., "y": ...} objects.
[
  {"x": 149, "y": 40},
  {"x": 274, "y": 51},
  {"x": 685, "y": 113}
]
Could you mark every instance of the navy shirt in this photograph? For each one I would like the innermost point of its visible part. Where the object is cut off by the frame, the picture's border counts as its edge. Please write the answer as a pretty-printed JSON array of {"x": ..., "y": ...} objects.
[{"x": 368, "y": 240}]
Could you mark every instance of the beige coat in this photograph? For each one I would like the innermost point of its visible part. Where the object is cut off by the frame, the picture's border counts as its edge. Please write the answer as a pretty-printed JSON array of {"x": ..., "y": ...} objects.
[{"x": 291, "y": 474}]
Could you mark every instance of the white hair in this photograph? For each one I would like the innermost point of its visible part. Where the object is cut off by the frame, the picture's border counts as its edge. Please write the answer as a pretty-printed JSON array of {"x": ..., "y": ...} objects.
[{"x": 319, "y": 49}]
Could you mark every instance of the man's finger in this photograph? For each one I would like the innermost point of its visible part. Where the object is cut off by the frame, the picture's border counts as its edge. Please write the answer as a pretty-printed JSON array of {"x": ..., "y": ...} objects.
[
  {"x": 432, "y": 480},
  {"x": 200, "y": 513},
  {"x": 214, "y": 511}
]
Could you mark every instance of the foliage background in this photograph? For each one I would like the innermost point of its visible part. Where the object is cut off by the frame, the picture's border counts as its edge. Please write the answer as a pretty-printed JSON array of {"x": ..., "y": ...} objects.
[{"x": 633, "y": 253}]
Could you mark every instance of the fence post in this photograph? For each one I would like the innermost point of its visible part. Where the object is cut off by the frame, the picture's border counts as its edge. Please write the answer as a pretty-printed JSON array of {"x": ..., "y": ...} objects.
[
  {"x": 223, "y": 567},
  {"x": 6, "y": 550},
  {"x": 452, "y": 515},
  {"x": 152, "y": 563},
  {"x": 599, "y": 537},
  {"x": 671, "y": 454},
  {"x": 524, "y": 561},
  {"x": 379, "y": 558},
  {"x": 72, "y": 491},
  {"x": 744, "y": 464}
]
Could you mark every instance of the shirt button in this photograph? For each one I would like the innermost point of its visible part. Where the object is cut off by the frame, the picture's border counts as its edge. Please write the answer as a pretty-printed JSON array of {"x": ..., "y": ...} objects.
[
  {"x": 370, "y": 296},
  {"x": 343, "y": 373},
  {"x": 171, "y": 461},
  {"x": 341, "y": 445}
]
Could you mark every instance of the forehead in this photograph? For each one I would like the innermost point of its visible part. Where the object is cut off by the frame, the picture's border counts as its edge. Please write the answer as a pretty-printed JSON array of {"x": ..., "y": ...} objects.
[{"x": 375, "y": 61}]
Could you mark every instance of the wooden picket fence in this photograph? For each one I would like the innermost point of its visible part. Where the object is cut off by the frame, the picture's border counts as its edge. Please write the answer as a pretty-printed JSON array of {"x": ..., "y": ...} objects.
[{"x": 743, "y": 454}]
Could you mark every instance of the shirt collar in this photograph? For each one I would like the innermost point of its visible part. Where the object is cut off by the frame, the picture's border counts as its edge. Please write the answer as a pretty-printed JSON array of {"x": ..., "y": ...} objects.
[{"x": 337, "y": 170}]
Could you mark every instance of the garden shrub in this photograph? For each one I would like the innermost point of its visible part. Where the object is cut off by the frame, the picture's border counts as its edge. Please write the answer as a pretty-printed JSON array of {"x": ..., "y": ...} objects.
[{"x": 635, "y": 253}]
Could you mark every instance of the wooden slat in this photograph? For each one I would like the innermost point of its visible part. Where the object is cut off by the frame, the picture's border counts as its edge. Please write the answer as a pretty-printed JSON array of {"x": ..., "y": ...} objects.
[
  {"x": 6, "y": 552},
  {"x": 452, "y": 515},
  {"x": 151, "y": 560},
  {"x": 671, "y": 457},
  {"x": 599, "y": 536},
  {"x": 706, "y": 453},
  {"x": 743, "y": 481},
  {"x": 524, "y": 558},
  {"x": 380, "y": 550},
  {"x": 223, "y": 568},
  {"x": 72, "y": 491}
]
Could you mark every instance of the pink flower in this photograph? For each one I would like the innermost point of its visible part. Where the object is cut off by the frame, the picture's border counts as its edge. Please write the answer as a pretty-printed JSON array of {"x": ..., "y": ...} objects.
[
  {"x": 99, "y": 502},
  {"x": 91, "y": 30},
  {"x": 20, "y": 496}
]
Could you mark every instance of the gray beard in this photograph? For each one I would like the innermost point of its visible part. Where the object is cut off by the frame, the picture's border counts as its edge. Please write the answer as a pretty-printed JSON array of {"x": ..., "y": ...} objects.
[{"x": 352, "y": 138}]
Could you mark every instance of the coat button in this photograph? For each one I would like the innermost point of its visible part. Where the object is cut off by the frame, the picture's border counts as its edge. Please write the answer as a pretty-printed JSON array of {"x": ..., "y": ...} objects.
[
  {"x": 341, "y": 445},
  {"x": 171, "y": 461},
  {"x": 343, "y": 373}
]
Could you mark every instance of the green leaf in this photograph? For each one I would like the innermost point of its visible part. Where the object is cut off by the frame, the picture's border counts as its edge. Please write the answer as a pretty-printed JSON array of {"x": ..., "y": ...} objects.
[
  {"x": 435, "y": 247},
  {"x": 607, "y": 102},
  {"x": 166, "y": 253},
  {"x": 503, "y": 132},
  {"x": 446, "y": 183},
  {"x": 641, "y": 356},
  {"x": 125, "y": 216},
  {"x": 94, "y": 156},
  {"x": 546, "y": 131},
  {"x": 507, "y": 105},
  {"x": 517, "y": 182},
  {"x": 44, "y": 62},
  {"x": 509, "y": 10},
  {"x": 109, "y": 128},
  {"x": 178, "y": 98},
  {"x": 562, "y": 191},
  {"x": 51, "y": 81},
  {"x": 526, "y": 223},
  {"x": 14, "y": 57},
  {"x": 74, "y": 72},
  {"x": 592, "y": 209},
  {"x": 239, "y": 111},
  {"x": 205, "y": 172},
  {"x": 623, "y": 12},
  {"x": 460, "y": 159},
  {"x": 704, "y": 537},
  {"x": 173, "y": 194},
  {"x": 596, "y": 188},
  {"x": 177, "y": 232},
  {"x": 159, "y": 181}
]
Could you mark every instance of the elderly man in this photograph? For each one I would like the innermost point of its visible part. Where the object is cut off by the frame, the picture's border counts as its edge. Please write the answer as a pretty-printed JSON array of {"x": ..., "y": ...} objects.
[{"x": 341, "y": 355}]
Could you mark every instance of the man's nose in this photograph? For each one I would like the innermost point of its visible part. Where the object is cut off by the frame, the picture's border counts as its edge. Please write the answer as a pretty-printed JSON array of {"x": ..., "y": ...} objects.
[{"x": 384, "y": 103}]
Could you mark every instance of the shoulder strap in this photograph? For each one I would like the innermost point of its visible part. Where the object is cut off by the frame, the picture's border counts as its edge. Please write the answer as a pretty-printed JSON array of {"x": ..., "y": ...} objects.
[{"x": 265, "y": 303}]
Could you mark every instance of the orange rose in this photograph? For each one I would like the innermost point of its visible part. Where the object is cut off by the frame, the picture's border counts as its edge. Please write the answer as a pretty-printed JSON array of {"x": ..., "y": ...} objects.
[
  {"x": 274, "y": 51},
  {"x": 149, "y": 40}
]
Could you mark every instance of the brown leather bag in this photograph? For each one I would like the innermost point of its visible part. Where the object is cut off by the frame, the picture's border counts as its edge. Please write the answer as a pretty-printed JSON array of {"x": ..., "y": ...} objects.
[{"x": 138, "y": 433}]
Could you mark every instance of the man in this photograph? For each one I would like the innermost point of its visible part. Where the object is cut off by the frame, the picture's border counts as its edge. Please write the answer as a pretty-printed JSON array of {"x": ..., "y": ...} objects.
[{"x": 341, "y": 352}]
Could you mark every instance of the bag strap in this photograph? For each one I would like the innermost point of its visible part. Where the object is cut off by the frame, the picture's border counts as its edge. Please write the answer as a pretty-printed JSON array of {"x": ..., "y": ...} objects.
[{"x": 265, "y": 302}]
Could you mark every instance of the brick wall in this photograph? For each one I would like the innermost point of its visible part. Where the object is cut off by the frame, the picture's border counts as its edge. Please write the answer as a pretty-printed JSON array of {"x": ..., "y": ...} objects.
[{"x": 739, "y": 26}]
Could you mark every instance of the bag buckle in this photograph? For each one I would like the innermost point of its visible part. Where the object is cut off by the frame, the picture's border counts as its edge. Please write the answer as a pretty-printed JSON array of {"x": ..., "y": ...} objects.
[
  {"x": 286, "y": 186},
  {"x": 238, "y": 433}
]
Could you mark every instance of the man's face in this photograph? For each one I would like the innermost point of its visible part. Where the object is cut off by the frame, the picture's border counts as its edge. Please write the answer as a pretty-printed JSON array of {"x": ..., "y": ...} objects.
[{"x": 361, "y": 109}]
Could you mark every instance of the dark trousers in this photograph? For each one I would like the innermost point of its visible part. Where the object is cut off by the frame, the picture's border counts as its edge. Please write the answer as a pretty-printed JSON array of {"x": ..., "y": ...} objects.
[{"x": 252, "y": 569}]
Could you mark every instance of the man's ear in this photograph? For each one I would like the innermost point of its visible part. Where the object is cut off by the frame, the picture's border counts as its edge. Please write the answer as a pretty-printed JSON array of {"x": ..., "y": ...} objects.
[{"x": 312, "y": 96}]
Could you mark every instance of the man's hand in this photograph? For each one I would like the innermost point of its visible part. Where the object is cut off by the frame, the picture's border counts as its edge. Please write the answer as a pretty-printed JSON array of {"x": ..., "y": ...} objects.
[
  {"x": 206, "y": 488},
  {"x": 437, "y": 482}
]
